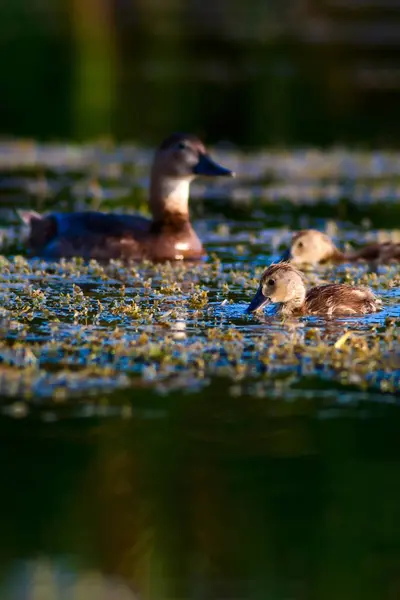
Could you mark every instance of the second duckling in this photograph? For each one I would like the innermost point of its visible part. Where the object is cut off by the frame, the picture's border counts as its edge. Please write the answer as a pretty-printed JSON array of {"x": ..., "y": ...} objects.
[
  {"x": 283, "y": 284},
  {"x": 313, "y": 247}
]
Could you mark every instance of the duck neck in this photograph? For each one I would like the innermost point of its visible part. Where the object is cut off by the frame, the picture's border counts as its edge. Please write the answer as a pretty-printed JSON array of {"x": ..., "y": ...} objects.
[
  {"x": 169, "y": 201},
  {"x": 295, "y": 305},
  {"x": 336, "y": 256}
]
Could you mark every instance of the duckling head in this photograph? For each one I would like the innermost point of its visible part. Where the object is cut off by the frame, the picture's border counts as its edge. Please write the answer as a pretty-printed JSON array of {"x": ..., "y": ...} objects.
[
  {"x": 281, "y": 284},
  {"x": 310, "y": 247},
  {"x": 179, "y": 159}
]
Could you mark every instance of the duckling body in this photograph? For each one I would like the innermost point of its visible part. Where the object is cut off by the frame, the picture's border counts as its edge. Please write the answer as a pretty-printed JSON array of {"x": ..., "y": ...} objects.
[
  {"x": 168, "y": 235},
  {"x": 283, "y": 284},
  {"x": 314, "y": 247}
]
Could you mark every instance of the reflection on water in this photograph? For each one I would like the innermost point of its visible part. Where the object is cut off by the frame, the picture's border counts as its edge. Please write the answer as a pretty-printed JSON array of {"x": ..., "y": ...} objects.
[{"x": 223, "y": 498}]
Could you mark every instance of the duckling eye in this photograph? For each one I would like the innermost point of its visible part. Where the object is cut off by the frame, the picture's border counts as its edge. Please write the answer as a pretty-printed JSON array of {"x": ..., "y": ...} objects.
[
  {"x": 271, "y": 281},
  {"x": 182, "y": 146},
  {"x": 300, "y": 244}
]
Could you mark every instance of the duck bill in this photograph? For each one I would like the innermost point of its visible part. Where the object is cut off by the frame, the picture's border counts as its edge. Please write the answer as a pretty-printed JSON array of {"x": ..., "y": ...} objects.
[
  {"x": 209, "y": 168},
  {"x": 258, "y": 302}
]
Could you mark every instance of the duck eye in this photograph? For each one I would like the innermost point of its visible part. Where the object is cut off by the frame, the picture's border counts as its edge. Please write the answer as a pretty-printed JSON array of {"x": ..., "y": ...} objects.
[
  {"x": 271, "y": 281},
  {"x": 182, "y": 146}
]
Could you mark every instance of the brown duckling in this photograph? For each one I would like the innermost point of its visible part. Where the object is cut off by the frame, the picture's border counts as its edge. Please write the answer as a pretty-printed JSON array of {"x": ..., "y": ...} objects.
[
  {"x": 283, "y": 284},
  {"x": 168, "y": 235},
  {"x": 314, "y": 247}
]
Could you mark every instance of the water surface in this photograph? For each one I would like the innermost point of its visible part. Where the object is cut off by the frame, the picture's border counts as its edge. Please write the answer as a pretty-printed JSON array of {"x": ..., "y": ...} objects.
[{"x": 157, "y": 442}]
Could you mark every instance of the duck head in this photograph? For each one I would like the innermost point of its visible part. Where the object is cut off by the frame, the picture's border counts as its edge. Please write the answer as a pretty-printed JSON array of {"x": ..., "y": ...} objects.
[
  {"x": 178, "y": 160},
  {"x": 310, "y": 247},
  {"x": 281, "y": 283}
]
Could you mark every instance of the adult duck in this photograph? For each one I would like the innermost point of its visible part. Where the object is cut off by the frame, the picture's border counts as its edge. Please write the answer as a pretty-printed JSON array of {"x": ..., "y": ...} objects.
[
  {"x": 168, "y": 235},
  {"x": 314, "y": 247},
  {"x": 283, "y": 284}
]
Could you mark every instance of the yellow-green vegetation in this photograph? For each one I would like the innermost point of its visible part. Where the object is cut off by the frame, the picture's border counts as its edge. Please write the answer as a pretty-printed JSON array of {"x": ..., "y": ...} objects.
[{"x": 71, "y": 330}]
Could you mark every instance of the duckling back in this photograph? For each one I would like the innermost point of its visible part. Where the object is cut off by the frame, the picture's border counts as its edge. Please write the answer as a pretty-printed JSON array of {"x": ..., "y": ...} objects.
[
  {"x": 377, "y": 253},
  {"x": 341, "y": 299}
]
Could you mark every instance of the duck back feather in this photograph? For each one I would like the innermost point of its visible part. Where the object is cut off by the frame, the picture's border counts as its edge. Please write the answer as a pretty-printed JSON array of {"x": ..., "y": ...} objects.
[{"x": 340, "y": 299}]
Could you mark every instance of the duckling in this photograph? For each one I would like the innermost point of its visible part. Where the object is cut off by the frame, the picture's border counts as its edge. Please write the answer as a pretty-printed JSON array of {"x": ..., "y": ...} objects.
[
  {"x": 283, "y": 284},
  {"x": 168, "y": 235},
  {"x": 314, "y": 247}
]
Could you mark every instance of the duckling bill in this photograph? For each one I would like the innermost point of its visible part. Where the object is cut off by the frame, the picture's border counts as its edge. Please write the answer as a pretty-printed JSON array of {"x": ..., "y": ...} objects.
[
  {"x": 259, "y": 301},
  {"x": 314, "y": 247},
  {"x": 168, "y": 235},
  {"x": 282, "y": 284}
]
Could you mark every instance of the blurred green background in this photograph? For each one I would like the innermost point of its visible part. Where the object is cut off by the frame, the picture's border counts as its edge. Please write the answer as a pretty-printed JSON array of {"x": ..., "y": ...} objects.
[{"x": 254, "y": 73}]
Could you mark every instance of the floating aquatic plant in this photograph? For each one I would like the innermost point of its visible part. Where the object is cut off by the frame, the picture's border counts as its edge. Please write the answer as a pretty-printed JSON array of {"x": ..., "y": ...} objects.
[{"x": 72, "y": 329}]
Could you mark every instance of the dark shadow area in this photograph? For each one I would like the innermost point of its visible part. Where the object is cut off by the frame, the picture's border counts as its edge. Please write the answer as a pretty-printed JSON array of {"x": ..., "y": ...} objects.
[{"x": 221, "y": 499}]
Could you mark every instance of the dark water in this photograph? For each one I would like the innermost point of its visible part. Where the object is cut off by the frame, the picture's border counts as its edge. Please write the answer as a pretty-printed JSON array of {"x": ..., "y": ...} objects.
[{"x": 205, "y": 498}]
